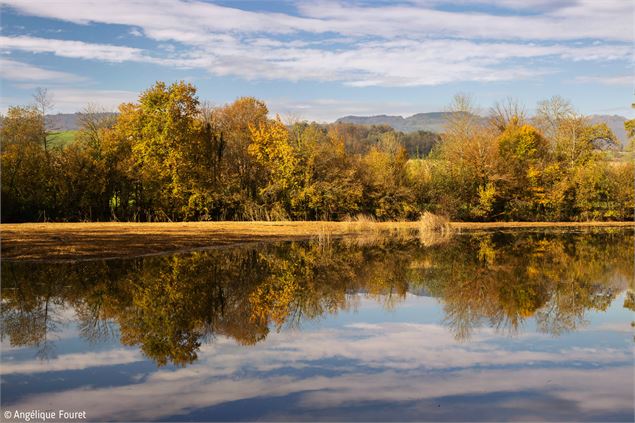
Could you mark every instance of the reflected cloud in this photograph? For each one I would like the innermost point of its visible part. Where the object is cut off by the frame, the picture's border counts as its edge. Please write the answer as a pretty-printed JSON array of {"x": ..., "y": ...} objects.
[
  {"x": 365, "y": 332},
  {"x": 76, "y": 361},
  {"x": 327, "y": 369}
]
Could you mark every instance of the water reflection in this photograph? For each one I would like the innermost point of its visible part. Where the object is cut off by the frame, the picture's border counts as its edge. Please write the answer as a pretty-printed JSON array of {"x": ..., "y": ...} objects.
[{"x": 169, "y": 307}]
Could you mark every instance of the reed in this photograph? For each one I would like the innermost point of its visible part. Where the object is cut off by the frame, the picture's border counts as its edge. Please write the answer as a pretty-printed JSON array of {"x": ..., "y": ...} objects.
[
  {"x": 434, "y": 229},
  {"x": 430, "y": 222}
]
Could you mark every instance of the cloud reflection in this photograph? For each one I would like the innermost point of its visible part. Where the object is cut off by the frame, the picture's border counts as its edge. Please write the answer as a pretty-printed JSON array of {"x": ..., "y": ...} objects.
[{"x": 382, "y": 366}]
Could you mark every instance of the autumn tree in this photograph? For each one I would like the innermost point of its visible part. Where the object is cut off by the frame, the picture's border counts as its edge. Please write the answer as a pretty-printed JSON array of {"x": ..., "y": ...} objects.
[
  {"x": 271, "y": 149},
  {"x": 387, "y": 192},
  {"x": 173, "y": 152},
  {"x": 523, "y": 153},
  {"x": 240, "y": 174},
  {"x": 26, "y": 174},
  {"x": 169, "y": 156},
  {"x": 470, "y": 153},
  {"x": 629, "y": 126},
  {"x": 329, "y": 177}
]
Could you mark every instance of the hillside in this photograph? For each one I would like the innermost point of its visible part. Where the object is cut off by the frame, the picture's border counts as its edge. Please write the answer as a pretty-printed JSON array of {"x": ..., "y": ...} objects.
[
  {"x": 434, "y": 122},
  {"x": 420, "y": 122},
  {"x": 615, "y": 122},
  {"x": 66, "y": 121}
]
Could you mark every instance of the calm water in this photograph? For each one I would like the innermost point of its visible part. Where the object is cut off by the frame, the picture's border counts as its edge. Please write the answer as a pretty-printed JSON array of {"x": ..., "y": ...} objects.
[{"x": 490, "y": 326}]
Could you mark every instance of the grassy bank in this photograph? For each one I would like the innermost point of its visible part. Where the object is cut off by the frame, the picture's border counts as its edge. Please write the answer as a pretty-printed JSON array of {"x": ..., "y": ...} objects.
[{"x": 78, "y": 241}]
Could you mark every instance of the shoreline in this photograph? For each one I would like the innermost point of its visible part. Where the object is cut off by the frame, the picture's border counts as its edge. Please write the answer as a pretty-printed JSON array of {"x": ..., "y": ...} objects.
[{"x": 67, "y": 242}]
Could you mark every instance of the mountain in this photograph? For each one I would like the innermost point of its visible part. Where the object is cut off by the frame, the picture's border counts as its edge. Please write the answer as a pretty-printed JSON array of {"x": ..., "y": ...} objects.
[
  {"x": 615, "y": 122},
  {"x": 67, "y": 121},
  {"x": 434, "y": 122},
  {"x": 420, "y": 122}
]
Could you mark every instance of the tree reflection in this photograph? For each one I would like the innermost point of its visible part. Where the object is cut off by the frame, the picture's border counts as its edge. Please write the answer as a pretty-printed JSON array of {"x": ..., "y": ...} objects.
[
  {"x": 169, "y": 306},
  {"x": 555, "y": 278}
]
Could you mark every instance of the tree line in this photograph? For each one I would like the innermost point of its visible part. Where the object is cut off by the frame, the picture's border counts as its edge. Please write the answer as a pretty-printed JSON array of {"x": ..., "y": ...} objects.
[{"x": 171, "y": 157}]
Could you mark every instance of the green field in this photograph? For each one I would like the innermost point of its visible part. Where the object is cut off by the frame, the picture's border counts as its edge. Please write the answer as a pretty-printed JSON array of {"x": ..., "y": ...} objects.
[{"x": 61, "y": 138}]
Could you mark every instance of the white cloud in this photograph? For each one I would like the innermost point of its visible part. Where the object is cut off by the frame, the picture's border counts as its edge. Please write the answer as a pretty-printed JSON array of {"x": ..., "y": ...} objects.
[
  {"x": 71, "y": 100},
  {"x": 183, "y": 20},
  {"x": 17, "y": 71},
  {"x": 68, "y": 100},
  {"x": 408, "y": 44},
  {"x": 369, "y": 63},
  {"x": 389, "y": 45},
  {"x": 578, "y": 20},
  {"x": 71, "y": 49},
  {"x": 626, "y": 80},
  {"x": 135, "y": 32}
]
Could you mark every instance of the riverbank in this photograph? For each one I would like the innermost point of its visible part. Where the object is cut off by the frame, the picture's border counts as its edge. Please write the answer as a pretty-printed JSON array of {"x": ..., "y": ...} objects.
[{"x": 83, "y": 241}]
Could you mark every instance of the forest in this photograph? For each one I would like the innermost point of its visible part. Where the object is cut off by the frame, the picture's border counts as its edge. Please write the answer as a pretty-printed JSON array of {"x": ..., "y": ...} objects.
[{"x": 172, "y": 157}]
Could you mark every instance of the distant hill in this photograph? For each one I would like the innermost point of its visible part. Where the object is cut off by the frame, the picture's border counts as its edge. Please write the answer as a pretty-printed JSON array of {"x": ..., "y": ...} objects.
[
  {"x": 615, "y": 122},
  {"x": 420, "y": 122},
  {"x": 434, "y": 122},
  {"x": 67, "y": 121}
]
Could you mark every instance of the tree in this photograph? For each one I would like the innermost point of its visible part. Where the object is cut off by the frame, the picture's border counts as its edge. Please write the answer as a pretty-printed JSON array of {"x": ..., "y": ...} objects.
[
  {"x": 502, "y": 113},
  {"x": 26, "y": 174},
  {"x": 271, "y": 149},
  {"x": 629, "y": 126},
  {"x": 172, "y": 151},
  {"x": 330, "y": 184},
  {"x": 43, "y": 103},
  {"x": 576, "y": 139},
  {"x": 387, "y": 190},
  {"x": 170, "y": 157},
  {"x": 235, "y": 121},
  {"x": 523, "y": 153},
  {"x": 550, "y": 113},
  {"x": 469, "y": 150}
]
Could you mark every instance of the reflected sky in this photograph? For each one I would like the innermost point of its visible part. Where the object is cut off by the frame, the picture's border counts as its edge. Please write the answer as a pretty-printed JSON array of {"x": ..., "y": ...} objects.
[{"x": 371, "y": 358}]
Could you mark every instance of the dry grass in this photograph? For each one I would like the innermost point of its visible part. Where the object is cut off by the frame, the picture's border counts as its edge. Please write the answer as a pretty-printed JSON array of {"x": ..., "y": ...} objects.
[
  {"x": 369, "y": 231},
  {"x": 434, "y": 229},
  {"x": 324, "y": 237},
  {"x": 361, "y": 223},
  {"x": 430, "y": 222},
  {"x": 76, "y": 241}
]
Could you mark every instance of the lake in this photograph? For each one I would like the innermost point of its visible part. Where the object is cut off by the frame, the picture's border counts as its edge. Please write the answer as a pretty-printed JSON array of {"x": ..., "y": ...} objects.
[{"x": 499, "y": 325}]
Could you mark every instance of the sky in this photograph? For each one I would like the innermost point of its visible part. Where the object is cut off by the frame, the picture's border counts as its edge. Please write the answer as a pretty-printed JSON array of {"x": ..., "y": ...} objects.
[{"x": 320, "y": 60}]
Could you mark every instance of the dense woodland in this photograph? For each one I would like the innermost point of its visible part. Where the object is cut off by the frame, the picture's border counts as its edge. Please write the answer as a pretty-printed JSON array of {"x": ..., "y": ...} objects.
[{"x": 170, "y": 157}]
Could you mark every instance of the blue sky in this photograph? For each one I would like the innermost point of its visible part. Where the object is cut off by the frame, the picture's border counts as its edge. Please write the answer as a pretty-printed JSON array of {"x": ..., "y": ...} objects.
[{"x": 320, "y": 60}]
